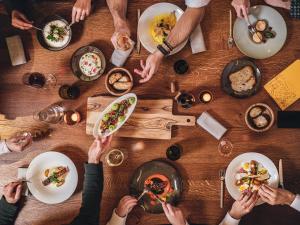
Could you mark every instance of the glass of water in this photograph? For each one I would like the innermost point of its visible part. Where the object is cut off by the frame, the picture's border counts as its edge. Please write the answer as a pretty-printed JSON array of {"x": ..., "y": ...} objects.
[{"x": 51, "y": 114}]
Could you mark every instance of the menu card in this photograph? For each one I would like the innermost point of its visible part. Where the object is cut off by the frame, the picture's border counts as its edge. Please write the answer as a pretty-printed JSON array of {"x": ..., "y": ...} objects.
[{"x": 285, "y": 87}]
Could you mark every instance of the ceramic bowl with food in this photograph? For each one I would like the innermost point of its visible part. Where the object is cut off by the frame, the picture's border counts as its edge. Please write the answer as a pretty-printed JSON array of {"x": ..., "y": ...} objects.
[
  {"x": 155, "y": 24},
  {"x": 259, "y": 117},
  {"x": 270, "y": 36},
  {"x": 56, "y": 34},
  {"x": 88, "y": 63},
  {"x": 119, "y": 81}
]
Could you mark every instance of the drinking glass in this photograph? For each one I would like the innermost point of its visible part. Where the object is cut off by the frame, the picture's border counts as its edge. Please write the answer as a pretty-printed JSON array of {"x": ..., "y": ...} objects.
[
  {"x": 39, "y": 80},
  {"x": 51, "y": 114},
  {"x": 174, "y": 152},
  {"x": 69, "y": 92},
  {"x": 115, "y": 157}
]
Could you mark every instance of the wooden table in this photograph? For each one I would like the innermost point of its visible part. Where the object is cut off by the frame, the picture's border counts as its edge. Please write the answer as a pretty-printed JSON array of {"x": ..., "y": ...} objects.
[{"x": 200, "y": 162}]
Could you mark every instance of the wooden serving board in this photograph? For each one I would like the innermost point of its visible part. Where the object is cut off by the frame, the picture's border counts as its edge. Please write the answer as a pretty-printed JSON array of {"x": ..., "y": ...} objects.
[{"x": 152, "y": 119}]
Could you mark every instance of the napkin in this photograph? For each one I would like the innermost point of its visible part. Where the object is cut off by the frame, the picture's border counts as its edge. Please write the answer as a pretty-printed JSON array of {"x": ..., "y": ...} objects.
[
  {"x": 211, "y": 125},
  {"x": 16, "y": 50},
  {"x": 197, "y": 40},
  {"x": 22, "y": 176},
  {"x": 119, "y": 56}
]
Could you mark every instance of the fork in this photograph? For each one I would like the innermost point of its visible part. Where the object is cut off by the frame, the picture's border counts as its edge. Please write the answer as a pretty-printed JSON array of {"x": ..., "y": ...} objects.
[
  {"x": 230, "y": 39},
  {"x": 222, "y": 178}
]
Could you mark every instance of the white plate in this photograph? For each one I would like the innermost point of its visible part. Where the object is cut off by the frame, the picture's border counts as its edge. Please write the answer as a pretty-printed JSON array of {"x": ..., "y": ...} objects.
[
  {"x": 145, "y": 23},
  {"x": 236, "y": 163},
  {"x": 50, "y": 194},
  {"x": 108, "y": 108},
  {"x": 264, "y": 50}
]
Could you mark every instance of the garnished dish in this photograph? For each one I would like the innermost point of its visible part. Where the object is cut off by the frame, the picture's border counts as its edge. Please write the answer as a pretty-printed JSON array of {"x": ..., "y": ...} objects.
[
  {"x": 243, "y": 79},
  {"x": 115, "y": 115},
  {"x": 259, "y": 117},
  {"x": 161, "y": 26},
  {"x": 56, "y": 34},
  {"x": 250, "y": 176},
  {"x": 90, "y": 64},
  {"x": 263, "y": 31},
  {"x": 55, "y": 176},
  {"x": 119, "y": 81},
  {"x": 160, "y": 187}
]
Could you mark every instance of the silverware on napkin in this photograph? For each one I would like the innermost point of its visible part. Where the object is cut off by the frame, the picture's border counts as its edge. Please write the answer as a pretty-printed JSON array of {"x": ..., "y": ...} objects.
[
  {"x": 230, "y": 39},
  {"x": 138, "y": 42},
  {"x": 280, "y": 174},
  {"x": 222, "y": 178}
]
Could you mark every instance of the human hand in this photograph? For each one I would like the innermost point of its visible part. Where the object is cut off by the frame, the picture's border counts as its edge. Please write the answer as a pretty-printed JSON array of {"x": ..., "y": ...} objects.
[
  {"x": 121, "y": 35},
  {"x": 12, "y": 192},
  {"x": 18, "y": 143},
  {"x": 152, "y": 63},
  {"x": 125, "y": 206},
  {"x": 279, "y": 3},
  {"x": 19, "y": 20},
  {"x": 276, "y": 196},
  {"x": 174, "y": 214},
  {"x": 241, "y": 7},
  {"x": 98, "y": 148},
  {"x": 243, "y": 205},
  {"x": 81, "y": 9}
]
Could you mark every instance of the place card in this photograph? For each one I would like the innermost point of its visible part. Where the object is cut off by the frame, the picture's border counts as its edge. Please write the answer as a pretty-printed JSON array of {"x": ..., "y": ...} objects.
[{"x": 285, "y": 87}]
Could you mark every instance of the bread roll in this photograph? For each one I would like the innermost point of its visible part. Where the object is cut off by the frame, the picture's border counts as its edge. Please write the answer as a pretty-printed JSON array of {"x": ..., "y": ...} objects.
[
  {"x": 114, "y": 78},
  {"x": 121, "y": 86}
]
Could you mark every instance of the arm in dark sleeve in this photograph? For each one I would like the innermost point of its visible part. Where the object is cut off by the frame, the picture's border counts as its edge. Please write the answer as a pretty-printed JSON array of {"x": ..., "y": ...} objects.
[
  {"x": 19, "y": 5},
  {"x": 295, "y": 9},
  {"x": 8, "y": 212},
  {"x": 91, "y": 195}
]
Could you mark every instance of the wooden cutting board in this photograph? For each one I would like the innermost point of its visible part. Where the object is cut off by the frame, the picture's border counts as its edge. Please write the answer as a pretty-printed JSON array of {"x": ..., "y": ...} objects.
[{"x": 152, "y": 119}]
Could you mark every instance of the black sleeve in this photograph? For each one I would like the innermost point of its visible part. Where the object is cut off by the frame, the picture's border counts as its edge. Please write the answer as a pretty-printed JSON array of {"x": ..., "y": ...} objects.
[
  {"x": 295, "y": 9},
  {"x": 19, "y": 5},
  {"x": 8, "y": 212},
  {"x": 91, "y": 196}
]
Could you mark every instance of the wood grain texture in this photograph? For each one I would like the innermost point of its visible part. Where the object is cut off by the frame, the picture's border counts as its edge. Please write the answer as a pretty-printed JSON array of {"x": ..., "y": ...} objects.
[
  {"x": 200, "y": 162},
  {"x": 152, "y": 119}
]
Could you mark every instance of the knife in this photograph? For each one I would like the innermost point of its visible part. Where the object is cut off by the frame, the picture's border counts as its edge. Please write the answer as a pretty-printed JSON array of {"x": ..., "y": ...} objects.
[
  {"x": 280, "y": 174},
  {"x": 138, "y": 42}
]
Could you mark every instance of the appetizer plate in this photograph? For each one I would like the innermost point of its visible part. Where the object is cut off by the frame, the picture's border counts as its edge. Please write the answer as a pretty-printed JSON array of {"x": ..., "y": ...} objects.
[
  {"x": 151, "y": 168},
  {"x": 263, "y": 50},
  {"x": 51, "y": 194},
  {"x": 236, "y": 163},
  {"x": 234, "y": 66},
  {"x": 40, "y": 34},
  {"x": 145, "y": 22},
  {"x": 75, "y": 60},
  {"x": 96, "y": 132}
]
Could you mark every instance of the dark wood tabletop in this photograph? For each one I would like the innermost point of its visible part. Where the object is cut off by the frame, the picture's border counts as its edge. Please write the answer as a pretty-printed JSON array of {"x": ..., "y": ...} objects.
[{"x": 201, "y": 160}]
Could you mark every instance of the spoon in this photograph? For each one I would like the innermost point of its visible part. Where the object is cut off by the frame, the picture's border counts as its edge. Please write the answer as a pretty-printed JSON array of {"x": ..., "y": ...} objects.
[{"x": 37, "y": 28}]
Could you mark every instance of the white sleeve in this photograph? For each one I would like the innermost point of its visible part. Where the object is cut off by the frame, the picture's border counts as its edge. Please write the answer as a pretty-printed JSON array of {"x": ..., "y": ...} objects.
[
  {"x": 3, "y": 147},
  {"x": 228, "y": 220},
  {"x": 196, "y": 3},
  {"x": 117, "y": 220},
  {"x": 296, "y": 203}
]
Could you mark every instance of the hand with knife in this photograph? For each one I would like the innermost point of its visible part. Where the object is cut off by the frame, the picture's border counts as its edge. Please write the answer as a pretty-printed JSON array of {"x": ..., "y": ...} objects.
[{"x": 276, "y": 196}]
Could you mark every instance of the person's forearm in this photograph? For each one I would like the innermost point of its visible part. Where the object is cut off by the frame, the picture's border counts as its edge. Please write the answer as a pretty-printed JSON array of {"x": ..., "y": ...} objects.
[
  {"x": 185, "y": 25},
  {"x": 8, "y": 212},
  {"x": 118, "y": 9},
  {"x": 91, "y": 196}
]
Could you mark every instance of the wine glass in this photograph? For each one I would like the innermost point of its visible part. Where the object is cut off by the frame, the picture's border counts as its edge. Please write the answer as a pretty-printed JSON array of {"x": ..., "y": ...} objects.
[{"x": 39, "y": 80}]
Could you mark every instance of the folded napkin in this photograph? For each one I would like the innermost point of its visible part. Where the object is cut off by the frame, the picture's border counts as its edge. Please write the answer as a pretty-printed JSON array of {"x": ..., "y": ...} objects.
[
  {"x": 22, "y": 176},
  {"x": 119, "y": 56},
  {"x": 197, "y": 40}
]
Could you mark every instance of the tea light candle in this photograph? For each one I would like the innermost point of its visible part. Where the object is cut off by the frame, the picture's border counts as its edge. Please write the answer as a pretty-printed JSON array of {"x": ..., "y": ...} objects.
[
  {"x": 72, "y": 117},
  {"x": 205, "y": 96}
]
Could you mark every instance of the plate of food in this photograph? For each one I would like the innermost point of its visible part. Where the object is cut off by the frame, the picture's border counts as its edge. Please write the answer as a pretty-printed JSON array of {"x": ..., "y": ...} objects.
[
  {"x": 155, "y": 24},
  {"x": 163, "y": 182},
  {"x": 88, "y": 63},
  {"x": 241, "y": 78},
  {"x": 119, "y": 81},
  {"x": 115, "y": 115},
  {"x": 53, "y": 177},
  {"x": 248, "y": 171},
  {"x": 56, "y": 34},
  {"x": 270, "y": 32},
  {"x": 259, "y": 117}
]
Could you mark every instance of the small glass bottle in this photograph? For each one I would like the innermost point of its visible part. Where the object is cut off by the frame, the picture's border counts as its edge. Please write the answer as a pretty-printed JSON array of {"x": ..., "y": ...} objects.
[
  {"x": 174, "y": 152},
  {"x": 181, "y": 67},
  {"x": 69, "y": 92}
]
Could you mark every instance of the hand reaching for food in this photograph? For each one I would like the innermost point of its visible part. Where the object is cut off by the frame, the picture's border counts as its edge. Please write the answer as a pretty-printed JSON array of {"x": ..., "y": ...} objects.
[
  {"x": 276, "y": 196},
  {"x": 241, "y": 7},
  {"x": 150, "y": 68},
  {"x": 19, "y": 20},
  {"x": 81, "y": 9},
  {"x": 98, "y": 147},
  {"x": 18, "y": 143},
  {"x": 121, "y": 37},
  {"x": 12, "y": 192},
  {"x": 174, "y": 214},
  {"x": 125, "y": 206},
  {"x": 243, "y": 205}
]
